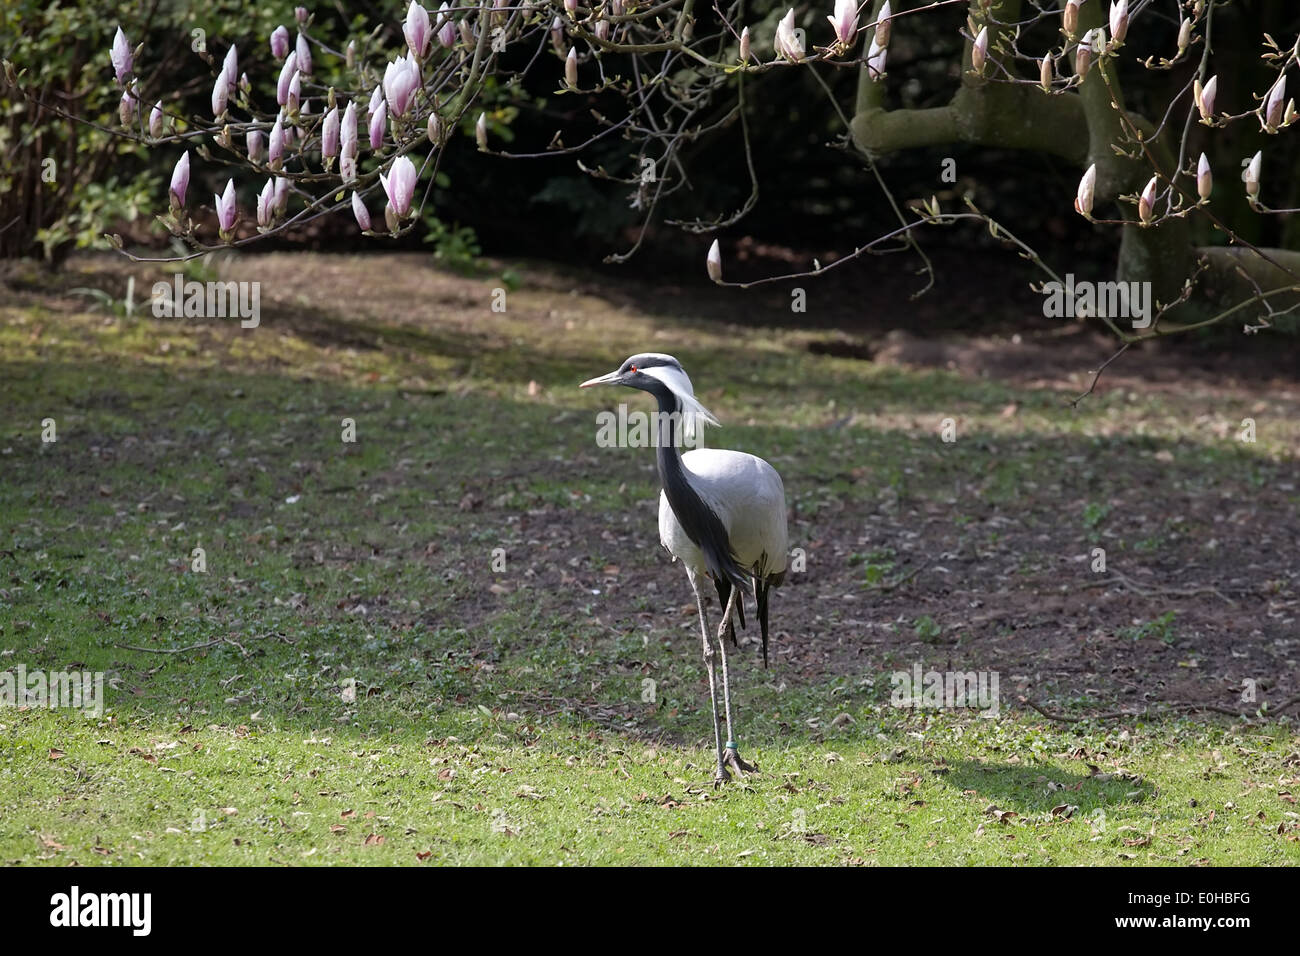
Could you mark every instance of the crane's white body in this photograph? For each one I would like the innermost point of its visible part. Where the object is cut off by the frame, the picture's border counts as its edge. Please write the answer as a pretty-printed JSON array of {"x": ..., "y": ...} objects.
[{"x": 748, "y": 497}]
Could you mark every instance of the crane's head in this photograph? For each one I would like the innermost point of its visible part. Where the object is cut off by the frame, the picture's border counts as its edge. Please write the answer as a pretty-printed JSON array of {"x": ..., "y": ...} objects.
[{"x": 662, "y": 376}]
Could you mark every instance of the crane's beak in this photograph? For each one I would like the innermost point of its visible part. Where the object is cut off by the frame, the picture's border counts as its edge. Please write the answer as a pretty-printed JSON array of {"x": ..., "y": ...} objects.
[{"x": 612, "y": 378}]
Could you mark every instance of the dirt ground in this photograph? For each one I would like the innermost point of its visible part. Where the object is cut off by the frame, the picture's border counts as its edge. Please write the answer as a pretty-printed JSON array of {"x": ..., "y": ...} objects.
[{"x": 1001, "y": 586}]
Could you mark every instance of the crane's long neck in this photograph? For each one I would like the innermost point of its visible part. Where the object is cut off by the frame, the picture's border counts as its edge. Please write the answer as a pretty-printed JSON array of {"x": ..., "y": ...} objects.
[{"x": 694, "y": 514}]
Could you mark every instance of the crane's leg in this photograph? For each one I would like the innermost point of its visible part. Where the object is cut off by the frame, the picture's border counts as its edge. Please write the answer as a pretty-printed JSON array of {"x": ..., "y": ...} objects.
[
  {"x": 721, "y": 774},
  {"x": 730, "y": 754}
]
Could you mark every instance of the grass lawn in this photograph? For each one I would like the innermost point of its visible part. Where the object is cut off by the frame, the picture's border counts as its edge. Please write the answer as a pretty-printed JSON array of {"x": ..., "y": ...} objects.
[{"x": 456, "y": 640}]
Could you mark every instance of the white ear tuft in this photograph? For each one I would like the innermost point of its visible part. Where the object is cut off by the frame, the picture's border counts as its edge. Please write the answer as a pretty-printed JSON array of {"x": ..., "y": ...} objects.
[{"x": 693, "y": 413}]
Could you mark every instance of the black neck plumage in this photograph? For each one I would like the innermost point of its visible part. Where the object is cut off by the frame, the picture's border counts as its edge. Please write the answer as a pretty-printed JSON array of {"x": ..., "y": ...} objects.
[{"x": 697, "y": 519}]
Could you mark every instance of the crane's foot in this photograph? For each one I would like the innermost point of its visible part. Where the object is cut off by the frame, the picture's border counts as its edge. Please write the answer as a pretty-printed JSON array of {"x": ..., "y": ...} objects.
[
  {"x": 721, "y": 777},
  {"x": 732, "y": 759}
]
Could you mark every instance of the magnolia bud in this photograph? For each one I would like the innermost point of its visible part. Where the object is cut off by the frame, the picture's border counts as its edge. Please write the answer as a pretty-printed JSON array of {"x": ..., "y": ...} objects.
[
  {"x": 714, "y": 262},
  {"x": 126, "y": 107},
  {"x": 1184, "y": 35},
  {"x": 361, "y": 212},
  {"x": 1251, "y": 176},
  {"x": 275, "y": 150},
  {"x": 280, "y": 43},
  {"x": 226, "y": 211},
  {"x": 390, "y": 217},
  {"x": 180, "y": 181},
  {"x": 156, "y": 120},
  {"x": 1087, "y": 187},
  {"x": 882, "y": 26},
  {"x": 254, "y": 141},
  {"x": 979, "y": 50},
  {"x": 266, "y": 204},
  {"x": 304, "y": 54},
  {"x": 1147, "y": 201},
  {"x": 1205, "y": 97},
  {"x": 350, "y": 55},
  {"x": 219, "y": 91},
  {"x": 1204, "y": 180},
  {"x": 434, "y": 129},
  {"x": 1119, "y": 20},
  {"x": 1045, "y": 73},
  {"x": 1273, "y": 105},
  {"x": 1083, "y": 54},
  {"x": 557, "y": 36},
  {"x": 1070, "y": 18},
  {"x": 480, "y": 131},
  {"x": 571, "y": 68},
  {"x": 744, "y": 45}
]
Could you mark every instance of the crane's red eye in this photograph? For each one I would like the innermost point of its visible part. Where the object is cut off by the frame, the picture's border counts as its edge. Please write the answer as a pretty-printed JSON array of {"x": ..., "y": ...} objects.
[{"x": 634, "y": 368}]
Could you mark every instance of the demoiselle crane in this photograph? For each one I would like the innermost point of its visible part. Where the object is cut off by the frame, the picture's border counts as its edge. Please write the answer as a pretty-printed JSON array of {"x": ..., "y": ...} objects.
[{"x": 721, "y": 513}]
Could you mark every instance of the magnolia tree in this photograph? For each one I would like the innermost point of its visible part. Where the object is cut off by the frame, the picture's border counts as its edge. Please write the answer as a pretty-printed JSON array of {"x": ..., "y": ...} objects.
[{"x": 1034, "y": 76}]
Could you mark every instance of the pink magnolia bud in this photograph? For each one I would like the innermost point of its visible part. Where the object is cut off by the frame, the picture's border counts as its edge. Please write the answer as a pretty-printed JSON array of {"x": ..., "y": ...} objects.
[
  {"x": 979, "y": 50},
  {"x": 571, "y": 7},
  {"x": 466, "y": 34},
  {"x": 434, "y": 129},
  {"x": 399, "y": 185},
  {"x": 876, "y": 55},
  {"x": 348, "y": 132},
  {"x": 1147, "y": 201},
  {"x": 120, "y": 55},
  {"x": 1205, "y": 97},
  {"x": 788, "y": 44},
  {"x": 230, "y": 69},
  {"x": 300, "y": 14},
  {"x": 1204, "y": 180},
  {"x": 845, "y": 22},
  {"x": 1045, "y": 74},
  {"x": 348, "y": 168},
  {"x": 220, "y": 89},
  {"x": 447, "y": 27},
  {"x": 275, "y": 151},
  {"x": 1087, "y": 187},
  {"x": 244, "y": 84},
  {"x": 361, "y": 212},
  {"x": 266, "y": 204},
  {"x": 378, "y": 120},
  {"x": 286, "y": 74},
  {"x": 281, "y": 195},
  {"x": 255, "y": 142},
  {"x": 1184, "y": 35},
  {"x": 329, "y": 134},
  {"x": 744, "y": 45},
  {"x": 1251, "y": 176},
  {"x": 480, "y": 131},
  {"x": 1070, "y": 18},
  {"x": 280, "y": 43},
  {"x": 156, "y": 120},
  {"x": 883, "y": 23},
  {"x": 126, "y": 107},
  {"x": 416, "y": 29},
  {"x": 226, "y": 211},
  {"x": 1084, "y": 52},
  {"x": 1118, "y": 20},
  {"x": 571, "y": 68},
  {"x": 180, "y": 181},
  {"x": 1273, "y": 106},
  {"x": 294, "y": 92},
  {"x": 713, "y": 262},
  {"x": 304, "y": 54},
  {"x": 602, "y": 29}
]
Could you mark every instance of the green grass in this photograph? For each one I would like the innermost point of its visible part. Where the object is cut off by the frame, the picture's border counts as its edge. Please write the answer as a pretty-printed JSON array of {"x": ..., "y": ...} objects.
[{"x": 351, "y": 681}]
